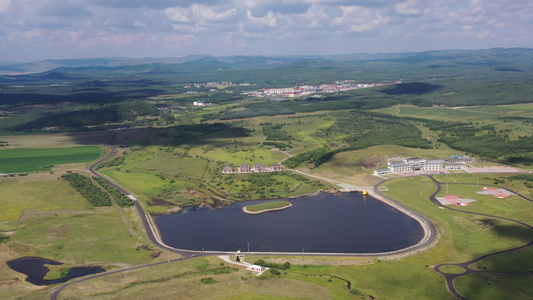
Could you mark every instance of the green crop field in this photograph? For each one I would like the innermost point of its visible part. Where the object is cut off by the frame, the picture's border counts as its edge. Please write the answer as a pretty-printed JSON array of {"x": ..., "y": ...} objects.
[{"x": 31, "y": 160}]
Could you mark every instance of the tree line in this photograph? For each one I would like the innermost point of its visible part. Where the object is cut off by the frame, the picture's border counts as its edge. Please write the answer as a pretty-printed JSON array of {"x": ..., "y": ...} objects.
[
  {"x": 86, "y": 187},
  {"x": 121, "y": 199}
]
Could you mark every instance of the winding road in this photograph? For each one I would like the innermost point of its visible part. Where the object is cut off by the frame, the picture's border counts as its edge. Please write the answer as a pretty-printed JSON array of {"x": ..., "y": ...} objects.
[
  {"x": 429, "y": 238},
  {"x": 450, "y": 277}
]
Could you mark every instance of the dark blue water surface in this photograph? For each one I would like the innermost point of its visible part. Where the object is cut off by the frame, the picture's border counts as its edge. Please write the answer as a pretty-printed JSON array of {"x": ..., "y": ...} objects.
[
  {"x": 35, "y": 269},
  {"x": 350, "y": 223}
]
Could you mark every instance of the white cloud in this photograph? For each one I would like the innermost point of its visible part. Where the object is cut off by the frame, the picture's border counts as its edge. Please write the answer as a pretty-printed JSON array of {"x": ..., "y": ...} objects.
[
  {"x": 138, "y": 24},
  {"x": 180, "y": 39},
  {"x": 269, "y": 20},
  {"x": 33, "y": 33},
  {"x": 178, "y": 14},
  {"x": 410, "y": 8},
  {"x": 360, "y": 19},
  {"x": 253, "y": 27},
  {"x": 5, "y": 6},
  {"x": 483, "y": 34}
]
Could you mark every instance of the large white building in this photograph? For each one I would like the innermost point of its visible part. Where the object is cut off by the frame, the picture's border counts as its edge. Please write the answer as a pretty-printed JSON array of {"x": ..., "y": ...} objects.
[{"x": 411, "y": 164}]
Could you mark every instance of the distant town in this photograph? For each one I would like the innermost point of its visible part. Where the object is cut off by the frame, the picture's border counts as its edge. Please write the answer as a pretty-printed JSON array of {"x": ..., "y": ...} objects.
[
  {"x": 293, "y": 92},
  {"x": 307, "y": 90}
]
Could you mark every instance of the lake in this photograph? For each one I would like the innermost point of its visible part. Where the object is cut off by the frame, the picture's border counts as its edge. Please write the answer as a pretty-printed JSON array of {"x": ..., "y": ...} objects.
[
  {"x": 35, "y": 268},
  {"x": 327, "y": 223}
]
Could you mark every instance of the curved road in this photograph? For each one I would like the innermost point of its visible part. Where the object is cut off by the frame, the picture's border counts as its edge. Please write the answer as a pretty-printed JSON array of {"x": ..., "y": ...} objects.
[{"x": 449, "y": 277}]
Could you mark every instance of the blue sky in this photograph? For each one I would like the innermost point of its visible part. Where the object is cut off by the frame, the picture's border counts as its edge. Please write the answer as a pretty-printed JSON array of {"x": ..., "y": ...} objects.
[{"x": 39, "y": 29}]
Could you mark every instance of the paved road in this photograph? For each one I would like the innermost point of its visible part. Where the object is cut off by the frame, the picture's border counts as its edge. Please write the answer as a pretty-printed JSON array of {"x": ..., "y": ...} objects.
[{"x": 465, "y": 265}]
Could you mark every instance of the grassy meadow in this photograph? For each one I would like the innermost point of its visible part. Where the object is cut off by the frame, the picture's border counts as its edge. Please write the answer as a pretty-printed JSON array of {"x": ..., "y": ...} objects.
[
  {"x": 160, "y": 282},
  {"x": 44, "y": 216},
  {"x": 19, "y": 198},
  {"x": 513, "y": 119}
]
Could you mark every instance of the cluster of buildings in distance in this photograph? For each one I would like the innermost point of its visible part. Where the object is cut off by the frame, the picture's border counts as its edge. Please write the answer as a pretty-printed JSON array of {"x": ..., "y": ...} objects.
[
  {"x": 208, "y": 84},
  {"x": 257, "y": 168},
  {"x": 306, "y": 90},
  {"x": 418, "y": 164},
  {"x": 202, "y": 103},
  {"x": 171, "y": 108}
]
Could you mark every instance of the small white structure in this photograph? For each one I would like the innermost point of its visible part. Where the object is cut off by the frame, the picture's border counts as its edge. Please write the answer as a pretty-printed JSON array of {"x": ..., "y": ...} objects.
[
  {"x": 256, "y": 268},
  {"x": 385, "y": 171}
]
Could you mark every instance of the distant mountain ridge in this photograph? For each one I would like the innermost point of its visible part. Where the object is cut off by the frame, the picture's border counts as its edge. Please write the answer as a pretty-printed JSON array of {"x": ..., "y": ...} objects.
[{"x": 243, "y": 61}]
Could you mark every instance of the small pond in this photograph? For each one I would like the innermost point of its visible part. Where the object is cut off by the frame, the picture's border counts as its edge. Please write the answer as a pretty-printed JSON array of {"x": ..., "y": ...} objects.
[
  {"x": 35, "y": 269},
  {"x": 349, "y": 223}
]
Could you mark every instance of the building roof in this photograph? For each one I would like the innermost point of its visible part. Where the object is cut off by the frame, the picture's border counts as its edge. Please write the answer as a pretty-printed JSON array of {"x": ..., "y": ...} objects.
[{"x": 435, "y": 160}]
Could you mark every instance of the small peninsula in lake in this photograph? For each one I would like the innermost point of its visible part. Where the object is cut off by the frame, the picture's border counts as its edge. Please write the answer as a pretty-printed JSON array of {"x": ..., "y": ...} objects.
[{"x": 266, "y": 206}]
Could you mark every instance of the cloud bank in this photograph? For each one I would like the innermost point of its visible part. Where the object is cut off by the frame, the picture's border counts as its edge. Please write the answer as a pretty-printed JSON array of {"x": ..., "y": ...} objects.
[{"x": 39, "y": 29}]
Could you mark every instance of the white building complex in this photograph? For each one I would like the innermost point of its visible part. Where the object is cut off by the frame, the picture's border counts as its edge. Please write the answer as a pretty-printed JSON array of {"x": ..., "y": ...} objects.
[{"x": 411, "y": 164}]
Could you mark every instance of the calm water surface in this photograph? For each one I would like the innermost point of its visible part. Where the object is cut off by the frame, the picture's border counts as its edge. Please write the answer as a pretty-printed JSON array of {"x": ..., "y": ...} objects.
[
  {"x": 35, "y": 269},
  {"x": 350, "y": 223}
]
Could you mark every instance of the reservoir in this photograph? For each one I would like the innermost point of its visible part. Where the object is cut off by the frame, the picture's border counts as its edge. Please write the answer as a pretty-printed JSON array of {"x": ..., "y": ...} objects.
[{"x": 349, "y": 223}]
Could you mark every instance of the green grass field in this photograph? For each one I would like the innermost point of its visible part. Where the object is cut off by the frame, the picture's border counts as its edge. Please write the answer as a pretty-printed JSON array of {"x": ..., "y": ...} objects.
[
  {"x": 31, "y": 160},
  {"x": 495, "y": 286},
  {"x": 510, "y": 118},
  {"x": 51, "y": 220},
  {"x": 38, "y": 196},
  {"x": 161, "y": 282}
]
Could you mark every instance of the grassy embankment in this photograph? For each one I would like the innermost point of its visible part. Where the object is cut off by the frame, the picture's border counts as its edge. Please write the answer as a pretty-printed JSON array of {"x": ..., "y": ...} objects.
[{"x": 265, "y": 206}]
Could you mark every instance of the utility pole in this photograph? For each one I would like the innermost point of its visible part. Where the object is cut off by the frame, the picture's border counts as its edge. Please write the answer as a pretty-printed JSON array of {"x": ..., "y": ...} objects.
[{"x": 248, "y": 246}]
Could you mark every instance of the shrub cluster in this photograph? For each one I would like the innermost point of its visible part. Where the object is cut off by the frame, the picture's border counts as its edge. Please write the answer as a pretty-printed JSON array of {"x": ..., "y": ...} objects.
[
  {"x": 272, "y": 265},
  {"x": 88, "y": 189},
  {"x": 121, "y": 199},
  {"x": 116, "y": 161}
]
